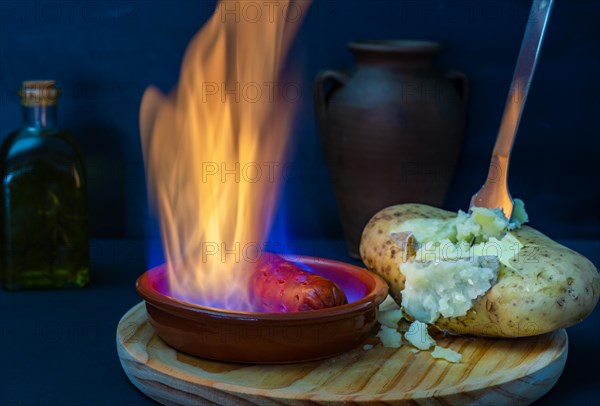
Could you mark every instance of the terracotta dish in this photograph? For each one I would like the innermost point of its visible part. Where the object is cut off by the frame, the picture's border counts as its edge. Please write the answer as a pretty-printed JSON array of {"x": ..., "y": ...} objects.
[{"x": 267, "y": 338}]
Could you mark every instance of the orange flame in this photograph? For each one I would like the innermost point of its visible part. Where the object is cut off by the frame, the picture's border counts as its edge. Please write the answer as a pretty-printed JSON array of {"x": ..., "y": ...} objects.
[{"x": 211, "y": 149}]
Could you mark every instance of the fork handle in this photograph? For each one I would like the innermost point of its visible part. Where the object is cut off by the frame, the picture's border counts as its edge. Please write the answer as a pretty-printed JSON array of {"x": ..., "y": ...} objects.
[{"x": 526, "y": 62}]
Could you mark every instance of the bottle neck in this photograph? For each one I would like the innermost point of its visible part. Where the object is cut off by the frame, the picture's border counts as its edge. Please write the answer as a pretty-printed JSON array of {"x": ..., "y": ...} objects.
[{"x": 41, "y": 117}]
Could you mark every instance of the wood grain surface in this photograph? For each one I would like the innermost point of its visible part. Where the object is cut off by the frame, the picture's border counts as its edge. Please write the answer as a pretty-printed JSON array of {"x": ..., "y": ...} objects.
[{"x": 492, "y": 371}]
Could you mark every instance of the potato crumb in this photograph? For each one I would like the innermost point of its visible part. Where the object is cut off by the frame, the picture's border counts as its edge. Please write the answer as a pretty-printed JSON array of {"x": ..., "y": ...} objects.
[
  {"x": 367, "y": 347},
  {"x": 418, "y": 336},
  {"x": 388, "y": 304},
  {"x": 446, "y": 354},
  {"x": 390, "y": 338},
  {"x": 390, "y": 318}
]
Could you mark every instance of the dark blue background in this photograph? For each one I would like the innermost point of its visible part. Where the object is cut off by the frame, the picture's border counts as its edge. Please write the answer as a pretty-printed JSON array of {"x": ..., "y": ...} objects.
[{"x": 104, "y": 54}]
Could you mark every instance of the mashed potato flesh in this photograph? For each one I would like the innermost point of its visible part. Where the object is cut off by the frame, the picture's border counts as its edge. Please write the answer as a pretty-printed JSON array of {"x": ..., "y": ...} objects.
[
  {"x": 458, "y": 260},
  {"x": 448, "y": 289},
  {"x": 479, "y": 225}
]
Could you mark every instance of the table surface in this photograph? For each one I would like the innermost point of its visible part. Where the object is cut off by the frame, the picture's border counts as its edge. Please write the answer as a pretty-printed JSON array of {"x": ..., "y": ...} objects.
[{"x": 58, "y": 347}]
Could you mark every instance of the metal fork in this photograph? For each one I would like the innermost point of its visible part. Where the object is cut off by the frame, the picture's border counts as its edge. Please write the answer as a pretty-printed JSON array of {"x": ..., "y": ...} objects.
[{"x": 494, "y": 193}]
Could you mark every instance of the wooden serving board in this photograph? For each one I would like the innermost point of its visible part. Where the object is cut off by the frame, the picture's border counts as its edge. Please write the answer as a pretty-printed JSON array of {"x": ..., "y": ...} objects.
[{"x": 492, "y": 371}]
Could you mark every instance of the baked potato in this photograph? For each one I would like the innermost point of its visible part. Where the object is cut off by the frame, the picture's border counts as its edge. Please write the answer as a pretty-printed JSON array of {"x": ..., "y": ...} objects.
[{"x": 544, "y": 288}]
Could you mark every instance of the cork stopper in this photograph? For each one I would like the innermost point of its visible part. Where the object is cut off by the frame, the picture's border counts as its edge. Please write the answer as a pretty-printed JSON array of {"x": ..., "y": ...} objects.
[{"x": 39, "y": 93}]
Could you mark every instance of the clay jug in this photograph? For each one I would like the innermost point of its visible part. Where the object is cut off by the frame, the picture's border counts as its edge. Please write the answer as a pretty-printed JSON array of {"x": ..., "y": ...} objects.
[{"x": 391, "y": 130}]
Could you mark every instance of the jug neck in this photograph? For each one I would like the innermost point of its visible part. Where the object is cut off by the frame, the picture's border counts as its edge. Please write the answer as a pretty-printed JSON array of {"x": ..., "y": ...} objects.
[{"x": 400, "y": 54}]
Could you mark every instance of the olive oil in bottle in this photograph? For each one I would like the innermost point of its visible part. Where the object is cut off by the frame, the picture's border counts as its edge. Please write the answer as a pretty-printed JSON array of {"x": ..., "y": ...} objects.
[{"x": 43, "y": 218}]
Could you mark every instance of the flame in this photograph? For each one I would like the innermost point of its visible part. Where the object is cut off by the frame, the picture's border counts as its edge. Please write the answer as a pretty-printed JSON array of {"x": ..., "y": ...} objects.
[{"x": 212, "y": 149}]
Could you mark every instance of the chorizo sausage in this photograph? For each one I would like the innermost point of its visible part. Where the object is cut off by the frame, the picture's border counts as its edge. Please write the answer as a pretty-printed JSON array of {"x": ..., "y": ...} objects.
[{"x": 280, "y": 286}]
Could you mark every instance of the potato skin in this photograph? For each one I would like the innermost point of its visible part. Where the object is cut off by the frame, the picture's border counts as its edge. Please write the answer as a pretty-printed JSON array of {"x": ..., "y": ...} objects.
[{"x": 553, "y": 286}]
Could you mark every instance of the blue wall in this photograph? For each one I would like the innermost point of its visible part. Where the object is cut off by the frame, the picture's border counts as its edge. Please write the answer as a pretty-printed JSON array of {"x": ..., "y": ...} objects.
[{"x": 104, "y": 54}]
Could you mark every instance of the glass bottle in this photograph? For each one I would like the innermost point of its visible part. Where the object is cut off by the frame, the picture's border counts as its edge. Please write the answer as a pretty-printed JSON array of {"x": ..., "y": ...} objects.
[{"x": 44, "y": 199}]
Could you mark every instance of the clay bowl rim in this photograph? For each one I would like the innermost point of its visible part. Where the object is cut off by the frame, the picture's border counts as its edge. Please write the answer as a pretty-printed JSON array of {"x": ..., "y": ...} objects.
[
  {"x": 412, "y": 46},
  {"x": 377, "y": 291}
]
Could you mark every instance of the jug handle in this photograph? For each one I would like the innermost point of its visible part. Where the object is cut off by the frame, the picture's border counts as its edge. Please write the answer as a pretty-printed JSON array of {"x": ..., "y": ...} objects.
[
  {"x": 321, "y": 96},
  {"x": 461, "y": 82}
]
